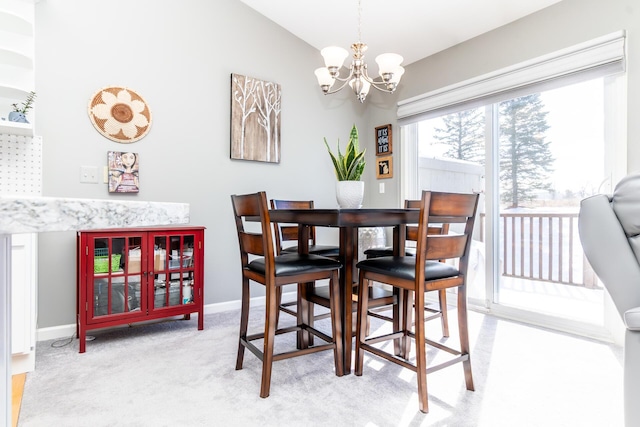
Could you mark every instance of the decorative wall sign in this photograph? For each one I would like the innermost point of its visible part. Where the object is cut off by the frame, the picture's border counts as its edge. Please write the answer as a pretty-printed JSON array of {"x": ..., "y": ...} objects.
[
  {"x": 384, "y": 167},
  {"x": 120, "y": 114},
  {"x": 255, "y": 119},
  {"x": 384, "y": 143},
  {"x": 124, "y": 172}
]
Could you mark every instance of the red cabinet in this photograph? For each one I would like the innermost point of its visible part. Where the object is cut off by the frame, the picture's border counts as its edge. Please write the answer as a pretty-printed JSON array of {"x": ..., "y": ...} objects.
[{"x": 129, "y": 275}]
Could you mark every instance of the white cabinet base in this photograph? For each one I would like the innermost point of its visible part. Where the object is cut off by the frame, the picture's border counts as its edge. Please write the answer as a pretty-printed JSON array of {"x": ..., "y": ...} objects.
[
  {"x": 23, "y": 302},
  {"x": 21, "y": 363},
  {"x": 5, "y": 328}
]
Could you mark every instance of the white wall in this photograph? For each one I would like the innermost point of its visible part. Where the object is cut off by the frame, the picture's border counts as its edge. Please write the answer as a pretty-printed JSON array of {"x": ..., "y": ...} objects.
[
  {"x": 179, "y": 56},
  {"x": 450, "y": 175}
]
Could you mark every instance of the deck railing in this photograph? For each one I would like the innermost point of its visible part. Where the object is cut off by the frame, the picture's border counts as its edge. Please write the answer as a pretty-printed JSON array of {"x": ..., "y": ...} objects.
[{"x": 543, "y": 246}]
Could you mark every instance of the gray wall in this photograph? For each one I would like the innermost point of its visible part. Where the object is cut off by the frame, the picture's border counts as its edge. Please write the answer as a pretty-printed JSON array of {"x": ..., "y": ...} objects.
[{"x": 179, "y": 56}]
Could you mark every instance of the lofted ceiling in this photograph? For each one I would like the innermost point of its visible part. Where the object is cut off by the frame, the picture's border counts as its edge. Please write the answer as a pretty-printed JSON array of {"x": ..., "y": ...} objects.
[{"x": 414, "y": 29}]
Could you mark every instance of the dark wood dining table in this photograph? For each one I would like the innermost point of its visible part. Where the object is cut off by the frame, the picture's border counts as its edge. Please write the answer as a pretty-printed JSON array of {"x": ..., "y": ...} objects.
[{"x": 348, "y": 221}]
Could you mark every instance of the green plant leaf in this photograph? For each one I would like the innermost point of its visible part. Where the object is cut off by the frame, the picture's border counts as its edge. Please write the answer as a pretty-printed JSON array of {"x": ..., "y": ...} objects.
[
  {"x": 350, "y": 166},
  {"x": 26, "y": 105}
]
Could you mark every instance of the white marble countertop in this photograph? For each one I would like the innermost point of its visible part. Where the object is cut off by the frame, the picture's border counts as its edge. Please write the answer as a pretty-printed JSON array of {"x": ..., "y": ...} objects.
[{"x": 31, "y": 214}]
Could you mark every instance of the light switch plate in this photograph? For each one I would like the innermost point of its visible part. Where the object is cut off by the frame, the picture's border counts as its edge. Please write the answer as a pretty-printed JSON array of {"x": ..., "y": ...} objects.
[{"x": 89, "y": 174}]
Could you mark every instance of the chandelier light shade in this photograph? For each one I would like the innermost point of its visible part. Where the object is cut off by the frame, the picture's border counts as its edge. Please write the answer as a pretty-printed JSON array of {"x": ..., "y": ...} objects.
[
  {"x": 389, "y": 69},
  {"x": 334, "y": 57}
]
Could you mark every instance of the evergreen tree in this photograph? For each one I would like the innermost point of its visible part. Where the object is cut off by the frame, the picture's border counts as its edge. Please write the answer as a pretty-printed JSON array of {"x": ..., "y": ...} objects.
[
  {"x": 463, "y": 132},
  {"x": 526, "y": 162}
]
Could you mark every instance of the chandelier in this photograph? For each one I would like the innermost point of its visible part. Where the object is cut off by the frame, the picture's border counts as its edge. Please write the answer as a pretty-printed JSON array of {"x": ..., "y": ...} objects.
[{"x": 358, "y": 78}]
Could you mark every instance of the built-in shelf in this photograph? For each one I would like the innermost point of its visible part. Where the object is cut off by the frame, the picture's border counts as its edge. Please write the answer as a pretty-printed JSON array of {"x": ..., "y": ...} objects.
[
  {"x": 16, "y": 128},
  {"x": 16, "y": 17},
  {"x": 18, "y": 91},
  {"x": 16, "y": 56}
]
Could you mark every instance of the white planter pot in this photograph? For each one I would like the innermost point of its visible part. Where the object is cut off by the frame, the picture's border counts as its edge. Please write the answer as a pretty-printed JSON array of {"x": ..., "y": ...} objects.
[{"x": 350, "y": 194}]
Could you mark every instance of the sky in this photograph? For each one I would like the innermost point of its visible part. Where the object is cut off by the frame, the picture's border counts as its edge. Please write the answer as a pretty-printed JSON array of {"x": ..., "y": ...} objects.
[{"x": 576, "y": 132}]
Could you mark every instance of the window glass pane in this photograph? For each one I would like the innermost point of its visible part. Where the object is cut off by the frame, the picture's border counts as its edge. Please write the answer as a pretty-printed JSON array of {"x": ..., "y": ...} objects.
[
  {"x": 551, "y": 147},
  {"x": 451, "y": 157}
]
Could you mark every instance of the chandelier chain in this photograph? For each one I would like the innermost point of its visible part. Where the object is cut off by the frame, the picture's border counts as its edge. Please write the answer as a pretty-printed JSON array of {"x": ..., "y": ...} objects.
[{"x": 359, "y": 21}]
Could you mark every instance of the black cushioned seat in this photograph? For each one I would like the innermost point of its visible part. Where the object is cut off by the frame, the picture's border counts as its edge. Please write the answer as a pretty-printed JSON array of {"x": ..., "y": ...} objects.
[
  {"x": 405, "y": 268},
  {"x": 291, "y": 264}
]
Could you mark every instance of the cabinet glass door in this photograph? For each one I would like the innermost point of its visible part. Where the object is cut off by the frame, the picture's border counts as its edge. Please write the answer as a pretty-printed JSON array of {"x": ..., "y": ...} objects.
[
  {"x": 117, "y": 276},
  {"x": 173, "y": 270}
]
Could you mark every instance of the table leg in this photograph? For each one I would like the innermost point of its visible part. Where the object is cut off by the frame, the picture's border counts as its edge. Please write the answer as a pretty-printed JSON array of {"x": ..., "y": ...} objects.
[
  {"x": 304, "y": 338},
  {"x": 348, "y": 255},
  {"x": 304, "y": 317},
  {"x": 401, "y": 312}
]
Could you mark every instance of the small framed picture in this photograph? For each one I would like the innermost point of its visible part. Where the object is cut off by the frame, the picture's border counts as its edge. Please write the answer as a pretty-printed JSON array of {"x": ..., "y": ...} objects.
[
  {"x": 384, "y": 140},
  {"x": 384, "y": 167},
  {"x": 123, "y": 172}
]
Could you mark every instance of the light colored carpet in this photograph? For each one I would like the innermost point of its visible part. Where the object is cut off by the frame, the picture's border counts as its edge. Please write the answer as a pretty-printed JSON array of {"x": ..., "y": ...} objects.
[{"x": 171, "y": 374}]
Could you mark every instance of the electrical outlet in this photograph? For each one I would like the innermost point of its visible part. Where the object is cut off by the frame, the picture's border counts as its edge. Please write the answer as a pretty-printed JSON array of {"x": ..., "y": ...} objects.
[{"x": 89, "y": 174}]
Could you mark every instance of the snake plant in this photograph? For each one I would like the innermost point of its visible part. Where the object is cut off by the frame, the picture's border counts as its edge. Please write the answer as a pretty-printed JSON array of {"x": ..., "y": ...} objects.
[{"x": 348, "y": 167}]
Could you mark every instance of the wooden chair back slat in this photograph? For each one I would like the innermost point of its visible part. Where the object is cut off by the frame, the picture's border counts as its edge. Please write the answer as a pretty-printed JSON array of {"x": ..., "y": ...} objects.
[
  {"x": 254, "y": 207},
  {"x": 412, "y": 230},
  {"x": 452, "y": 204},
  {"x": 288, "y": 232},
  {"x": 443, "y": 247},
  {"x": 460, "y": 208},
  {"x": 252, "y": 243}
]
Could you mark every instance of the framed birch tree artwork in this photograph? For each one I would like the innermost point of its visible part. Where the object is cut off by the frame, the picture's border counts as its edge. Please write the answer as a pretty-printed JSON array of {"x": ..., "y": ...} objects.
[{"x": 255, "y": 119}]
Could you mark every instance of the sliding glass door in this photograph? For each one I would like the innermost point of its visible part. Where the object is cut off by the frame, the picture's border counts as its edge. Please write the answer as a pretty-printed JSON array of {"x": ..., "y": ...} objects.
[{"x": 533, "y": 157}]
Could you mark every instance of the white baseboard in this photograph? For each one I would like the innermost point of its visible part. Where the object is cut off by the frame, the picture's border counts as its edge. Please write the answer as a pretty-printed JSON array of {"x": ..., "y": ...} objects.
[
  {"x": 55, "y": 332},
  {"x": 67, "y": 331}
]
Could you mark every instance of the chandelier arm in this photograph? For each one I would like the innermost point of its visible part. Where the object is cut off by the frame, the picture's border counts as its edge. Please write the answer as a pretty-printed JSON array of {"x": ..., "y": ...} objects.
[
  {"x": 344, "y": 79},
  {"x": 376, "y": 84},
  {"x": 345, "y": 82},
  {"x": 347, "y": 77},
  {"x": 381, "y": 89}
]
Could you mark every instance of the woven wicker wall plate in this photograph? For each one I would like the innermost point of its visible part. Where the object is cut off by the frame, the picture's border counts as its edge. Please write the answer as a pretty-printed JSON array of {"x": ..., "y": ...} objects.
[{"x": 120, "y": 114}]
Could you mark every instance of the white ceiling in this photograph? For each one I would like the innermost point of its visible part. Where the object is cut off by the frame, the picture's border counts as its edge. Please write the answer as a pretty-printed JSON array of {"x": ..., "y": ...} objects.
[{"x": 414, "y": 29}]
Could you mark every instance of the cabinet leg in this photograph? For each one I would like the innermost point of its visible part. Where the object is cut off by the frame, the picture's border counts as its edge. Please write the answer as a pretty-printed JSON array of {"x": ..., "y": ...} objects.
[{"x": 82, "y": 338}]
